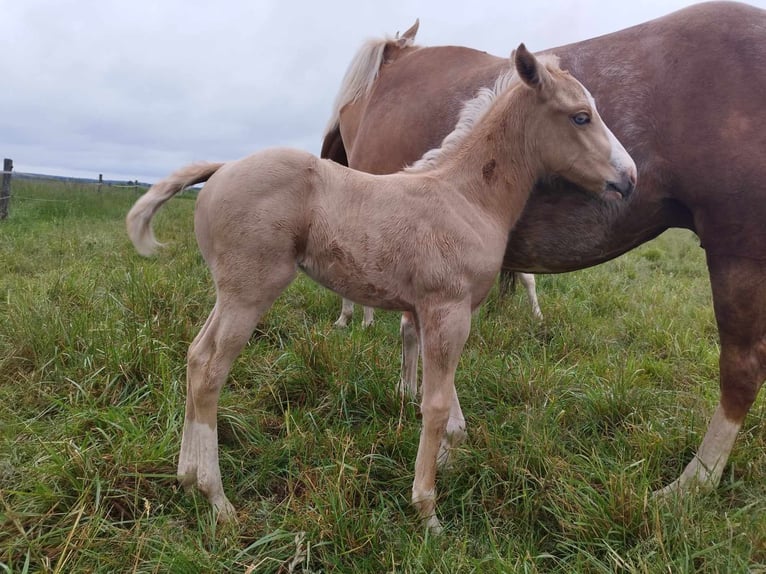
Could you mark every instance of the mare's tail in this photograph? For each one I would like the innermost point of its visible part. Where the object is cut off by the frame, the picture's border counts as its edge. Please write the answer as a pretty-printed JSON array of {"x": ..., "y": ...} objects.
[{"x": 139, "y": 219}]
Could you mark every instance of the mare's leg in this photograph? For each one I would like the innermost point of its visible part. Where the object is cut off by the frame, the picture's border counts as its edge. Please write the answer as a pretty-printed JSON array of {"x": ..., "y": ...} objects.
[
  {"x": 528, "y": 280},
  {"x": 368, "y": 316},
  {"x": 444, "y": 329},
  {"x": 739, "y": 299},
  {"x": 507, "y": 282},
  {"x": 238, "y": 308},
  {"x": 346, "y": 311},
  {"x": 408, "y": 328}
]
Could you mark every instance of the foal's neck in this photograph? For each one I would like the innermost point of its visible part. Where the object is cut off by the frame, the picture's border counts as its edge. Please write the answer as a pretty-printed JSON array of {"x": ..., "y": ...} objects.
[{"x": 493, "y": 169}]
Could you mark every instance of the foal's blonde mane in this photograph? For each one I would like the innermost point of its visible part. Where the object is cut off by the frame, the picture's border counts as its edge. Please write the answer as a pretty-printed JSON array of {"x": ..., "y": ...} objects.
[{"x": 471, "y": 114}]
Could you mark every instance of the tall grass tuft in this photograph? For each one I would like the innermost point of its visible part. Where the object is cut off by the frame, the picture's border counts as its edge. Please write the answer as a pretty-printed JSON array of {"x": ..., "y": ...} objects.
[{"x": 572, "y": 423}]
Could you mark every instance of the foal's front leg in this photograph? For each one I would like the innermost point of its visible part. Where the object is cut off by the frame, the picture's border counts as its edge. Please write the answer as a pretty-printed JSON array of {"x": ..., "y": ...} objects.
[
  {"x": 454, "y": 433},
  {"x": 444, "y": 328}
]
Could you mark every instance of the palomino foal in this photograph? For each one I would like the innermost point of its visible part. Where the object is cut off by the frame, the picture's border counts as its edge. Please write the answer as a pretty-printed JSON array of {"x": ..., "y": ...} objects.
[{"x": 429, "y": 242}]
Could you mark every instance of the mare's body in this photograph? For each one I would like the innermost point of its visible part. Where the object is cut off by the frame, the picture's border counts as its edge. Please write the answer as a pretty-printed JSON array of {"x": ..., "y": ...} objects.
[{"x": 685, "y": 93}]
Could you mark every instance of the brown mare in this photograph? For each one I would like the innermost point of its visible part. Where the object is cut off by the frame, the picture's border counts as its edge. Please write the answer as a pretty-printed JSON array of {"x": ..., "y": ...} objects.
[
  {"x": 429, "y": 241},
  {"x": 685, "y": 93}
]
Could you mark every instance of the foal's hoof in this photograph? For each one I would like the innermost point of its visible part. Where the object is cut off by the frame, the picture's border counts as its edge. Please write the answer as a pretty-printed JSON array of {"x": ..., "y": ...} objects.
[
  {"x": 669, "y": 490},
  {"x": 187, "y": 480},
  {"x": 695, "y": 478},
  {"x": 433, "y": 526},
  {"x": 341, "y": 323},
  {"x": 224, "y": 511},
  {"x": 681, "y": 487}
]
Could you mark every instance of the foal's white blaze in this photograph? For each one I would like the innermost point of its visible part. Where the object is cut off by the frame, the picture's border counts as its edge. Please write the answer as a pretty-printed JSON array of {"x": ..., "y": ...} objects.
[
  {"x": 619, "y": 157},
  {"x": 706, "y": 468}
]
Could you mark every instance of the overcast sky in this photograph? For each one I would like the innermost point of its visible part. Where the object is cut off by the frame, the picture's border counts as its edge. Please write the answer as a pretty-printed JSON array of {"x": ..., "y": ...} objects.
[{"x": 134, "y": 89}]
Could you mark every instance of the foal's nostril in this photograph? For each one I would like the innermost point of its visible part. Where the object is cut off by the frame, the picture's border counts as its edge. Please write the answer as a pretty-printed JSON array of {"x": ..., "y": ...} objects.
[
  {"x": 624, "y": 186},
  {"x": 628, "y": 182}
]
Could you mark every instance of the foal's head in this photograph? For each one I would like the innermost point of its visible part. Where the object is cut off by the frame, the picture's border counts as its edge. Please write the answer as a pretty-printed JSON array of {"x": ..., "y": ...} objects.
[{"x": 566, "y": 131}]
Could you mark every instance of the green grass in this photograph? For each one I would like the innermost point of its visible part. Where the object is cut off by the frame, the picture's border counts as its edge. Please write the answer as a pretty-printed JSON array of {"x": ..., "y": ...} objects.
[{"x": 572, "y": 423}]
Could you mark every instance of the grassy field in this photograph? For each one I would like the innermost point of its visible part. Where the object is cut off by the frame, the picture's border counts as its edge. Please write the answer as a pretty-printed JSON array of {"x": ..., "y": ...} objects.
[{"x": 572, "y": 423}]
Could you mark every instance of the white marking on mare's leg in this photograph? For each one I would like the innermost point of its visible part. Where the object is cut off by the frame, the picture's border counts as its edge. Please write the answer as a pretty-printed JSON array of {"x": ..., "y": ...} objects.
[
  {"x": 528, "y": 280},
  {"x": 705, "y": 469},
  {"x": 368, "y": 316},
  {"x": 346, "y": 311}
]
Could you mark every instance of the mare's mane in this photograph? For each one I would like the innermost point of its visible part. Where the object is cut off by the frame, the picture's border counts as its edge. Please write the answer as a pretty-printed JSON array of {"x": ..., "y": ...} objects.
[
  {"x": 472, "y": 112},
  {"x": 362, "y": 72}
]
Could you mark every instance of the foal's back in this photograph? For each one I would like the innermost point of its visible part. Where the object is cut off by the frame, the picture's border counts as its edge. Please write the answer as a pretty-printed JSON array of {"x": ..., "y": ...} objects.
[{"x": 379, "y": 240}]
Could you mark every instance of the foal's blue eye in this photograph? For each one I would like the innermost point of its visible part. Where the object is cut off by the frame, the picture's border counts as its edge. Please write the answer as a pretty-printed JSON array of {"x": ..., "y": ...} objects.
[{"x": 581, "y": 119}]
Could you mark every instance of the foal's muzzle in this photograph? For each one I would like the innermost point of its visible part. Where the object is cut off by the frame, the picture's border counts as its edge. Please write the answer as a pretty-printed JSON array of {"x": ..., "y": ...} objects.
[{"x": 625, "y": 185}]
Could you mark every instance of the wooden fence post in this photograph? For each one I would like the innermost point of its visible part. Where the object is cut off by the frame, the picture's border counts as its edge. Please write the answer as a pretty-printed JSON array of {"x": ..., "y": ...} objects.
[
  {"x": 5, "y": 190},
  {"x": 100, "y": 181}
]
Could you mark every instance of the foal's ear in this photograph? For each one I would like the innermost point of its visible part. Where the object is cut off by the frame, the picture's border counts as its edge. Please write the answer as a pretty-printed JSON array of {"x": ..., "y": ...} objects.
[{"x": 530, "y": 70}]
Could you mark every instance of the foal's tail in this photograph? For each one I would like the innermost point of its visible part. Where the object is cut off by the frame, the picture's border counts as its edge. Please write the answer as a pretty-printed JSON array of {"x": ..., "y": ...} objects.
[{"x": 139, "y": 219}]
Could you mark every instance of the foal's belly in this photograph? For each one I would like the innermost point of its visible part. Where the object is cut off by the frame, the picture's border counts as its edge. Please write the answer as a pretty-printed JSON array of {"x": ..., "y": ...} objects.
[{"x": 355, "y": 281}]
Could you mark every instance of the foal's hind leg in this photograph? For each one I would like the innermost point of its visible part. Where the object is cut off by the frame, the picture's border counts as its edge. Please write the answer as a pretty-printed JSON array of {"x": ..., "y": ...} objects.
[{"x": 227, "y": 330}]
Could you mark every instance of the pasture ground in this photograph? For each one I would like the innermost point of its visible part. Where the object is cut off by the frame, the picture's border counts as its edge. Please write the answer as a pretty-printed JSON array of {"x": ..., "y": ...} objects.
[{"x": 572, "y": 423}]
